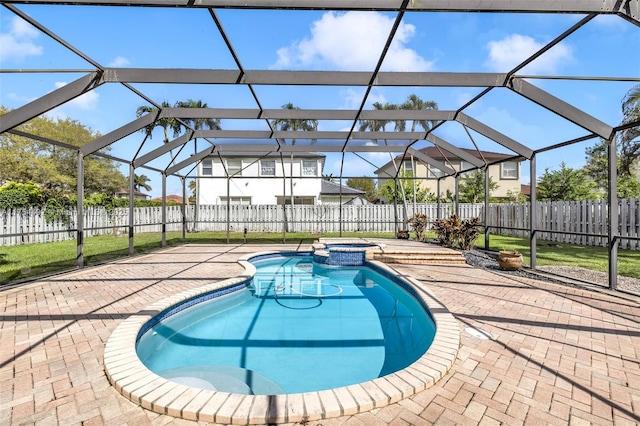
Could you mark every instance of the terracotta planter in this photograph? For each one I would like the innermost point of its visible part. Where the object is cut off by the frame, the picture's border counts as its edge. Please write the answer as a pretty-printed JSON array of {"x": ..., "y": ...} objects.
[{"x": 510, "y": 260}]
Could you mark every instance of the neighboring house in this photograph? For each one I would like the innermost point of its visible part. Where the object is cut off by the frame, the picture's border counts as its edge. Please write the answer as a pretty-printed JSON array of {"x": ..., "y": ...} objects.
[
  {"x": 506, "y": 174},
  {"x": 332, "y": 193},
  {"x": 171, "y": 198},
  {"x": 258, "y": 179},
  {"x": 137, "y": 195}
]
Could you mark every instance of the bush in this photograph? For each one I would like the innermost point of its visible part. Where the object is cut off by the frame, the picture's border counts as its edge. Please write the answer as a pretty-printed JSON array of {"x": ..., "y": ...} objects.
[
  {"x": 418, "y": 223},
  {"x": 454, "y": 232},
  {"x": 469, "y": 233},
  {"x": 14, "y": 195}
]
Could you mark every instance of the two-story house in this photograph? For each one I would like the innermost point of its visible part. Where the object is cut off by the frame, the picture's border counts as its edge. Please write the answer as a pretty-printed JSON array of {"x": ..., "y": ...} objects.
[
  {"x": 272, "y": 179},
  {"x": 505, "y": 174}
]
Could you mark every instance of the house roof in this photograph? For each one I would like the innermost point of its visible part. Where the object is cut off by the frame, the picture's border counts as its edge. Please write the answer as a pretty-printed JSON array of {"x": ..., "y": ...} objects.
[
  {"x": 358, "y": 201},
  {"x": 122, "y": 192},
  {"x": 441, "y": 154},
  {"x": 267, "y": 154},
  {"x": 332, "y": 188},
  {"x": 172, "y": 197}
]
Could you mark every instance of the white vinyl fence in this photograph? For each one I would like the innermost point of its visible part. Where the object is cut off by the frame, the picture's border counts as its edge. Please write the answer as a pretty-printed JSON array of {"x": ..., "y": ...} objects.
[{"x": 576, "y": 217}]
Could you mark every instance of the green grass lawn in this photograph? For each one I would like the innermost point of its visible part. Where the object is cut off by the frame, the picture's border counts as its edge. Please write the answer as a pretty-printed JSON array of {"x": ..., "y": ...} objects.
[
  {"x": 554, "y": 253},
  {"x": 34, "y": 260}
]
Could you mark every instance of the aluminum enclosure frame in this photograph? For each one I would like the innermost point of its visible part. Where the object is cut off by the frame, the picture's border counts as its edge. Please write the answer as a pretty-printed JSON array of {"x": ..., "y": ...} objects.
[{"x": 351, "y": 141}]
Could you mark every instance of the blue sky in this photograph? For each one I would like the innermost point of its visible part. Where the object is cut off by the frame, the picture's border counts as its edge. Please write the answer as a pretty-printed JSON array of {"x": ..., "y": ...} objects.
[{"x": 324, "y": 40}]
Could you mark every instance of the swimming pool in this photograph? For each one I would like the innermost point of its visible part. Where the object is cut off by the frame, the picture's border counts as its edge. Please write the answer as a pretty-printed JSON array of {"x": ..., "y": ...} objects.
[
  {"x": 299, "y": 327},
  {"x": 132, "y": 379}
]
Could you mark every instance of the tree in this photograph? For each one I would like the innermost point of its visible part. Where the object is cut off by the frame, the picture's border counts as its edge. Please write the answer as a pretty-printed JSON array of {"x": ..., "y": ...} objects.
[
  {"x": 414, "y": 103},
  {"x": 166, "y": 123},
  {"x": 15, "y": 195},
  {"x": 566, "y": 184},
  {"x": 404, "y": 189},
  {"x": 55, "y": 168},
  {"x": 597, "y": 168},
  {"x": 194, "y": 189},
  {"x": 140, "y": 182},
  {"x": 472, "y": 187},
  {"x": 389, "y": 192},
  {"x": 198, "y": 123},
  {"x": 366, "y": 184},
  {"x": 294, "y": 124},
  {"x": 630, "y": 138}
]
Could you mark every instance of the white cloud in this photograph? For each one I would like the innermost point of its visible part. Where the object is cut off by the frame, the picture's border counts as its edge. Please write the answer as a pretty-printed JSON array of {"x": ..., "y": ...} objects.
[
  {"x": 611, "y": 22},
  {"x": 18, "y": 43},
  {"x": 511, "y": 126},
  {"x": 353, "y": 41},
  {"x": 87, "y": 101},
  {"x": 119, "y": 62},
  {"x": 505, "y": 54}
]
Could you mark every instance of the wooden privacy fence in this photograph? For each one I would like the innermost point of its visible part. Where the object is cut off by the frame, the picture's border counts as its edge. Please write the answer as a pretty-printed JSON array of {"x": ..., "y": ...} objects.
[
  {"x": 576, "y": 222},
  {"x": 574, "y": 217}
]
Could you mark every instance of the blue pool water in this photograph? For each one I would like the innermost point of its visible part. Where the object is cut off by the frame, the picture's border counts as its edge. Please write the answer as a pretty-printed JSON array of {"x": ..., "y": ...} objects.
[{"x": 299, "y": 327}]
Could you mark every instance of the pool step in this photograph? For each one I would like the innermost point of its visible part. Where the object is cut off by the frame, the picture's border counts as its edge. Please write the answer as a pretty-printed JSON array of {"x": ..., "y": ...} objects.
[
  {"x": 447, "y": 257},
  {"x": 391, "y": 251}
]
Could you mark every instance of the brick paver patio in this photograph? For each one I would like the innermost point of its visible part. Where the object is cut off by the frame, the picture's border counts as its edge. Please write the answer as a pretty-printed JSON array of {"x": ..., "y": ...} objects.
[{"x": 556, "y": 354}]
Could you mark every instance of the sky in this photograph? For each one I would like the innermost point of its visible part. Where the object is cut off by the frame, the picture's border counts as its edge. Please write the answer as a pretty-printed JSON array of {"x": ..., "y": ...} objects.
[{"x": 322, "y": 40}]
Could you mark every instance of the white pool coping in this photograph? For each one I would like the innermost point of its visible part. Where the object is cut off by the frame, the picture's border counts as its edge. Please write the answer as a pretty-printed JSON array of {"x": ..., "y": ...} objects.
[{"x": 136, "y": 382}]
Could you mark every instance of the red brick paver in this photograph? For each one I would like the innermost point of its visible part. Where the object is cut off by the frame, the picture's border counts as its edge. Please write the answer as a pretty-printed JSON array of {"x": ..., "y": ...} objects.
[{"x": 557, "y": 354}]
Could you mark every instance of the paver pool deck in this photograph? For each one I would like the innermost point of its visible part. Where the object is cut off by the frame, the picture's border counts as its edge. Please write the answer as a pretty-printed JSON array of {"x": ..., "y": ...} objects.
[{"x": 556, "y": 354}]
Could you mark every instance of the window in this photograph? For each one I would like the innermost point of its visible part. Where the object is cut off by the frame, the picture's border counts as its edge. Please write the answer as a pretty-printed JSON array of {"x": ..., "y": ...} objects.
[
  {"x": 408, "y": 166},
  {"x": 309, "y": 168},
  {"x": 207, "y": 167},
  {"x": 234, "y": 167},
  {"x": 433, "y": 172},
  {"x": 297, "y": 200},
  {"x": 466, "y": 166},
  {"x": 509, "y": 170},
  {"x": 244, "y": 201},
  {"x": 267, "y": 167}
]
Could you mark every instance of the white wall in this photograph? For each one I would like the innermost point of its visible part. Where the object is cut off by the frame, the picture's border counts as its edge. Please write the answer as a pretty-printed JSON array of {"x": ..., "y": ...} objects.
[{"x": 261, "y": 190}]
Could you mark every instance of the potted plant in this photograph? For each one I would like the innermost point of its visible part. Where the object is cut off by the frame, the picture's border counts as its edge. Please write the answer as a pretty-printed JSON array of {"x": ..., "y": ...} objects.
[{"x": 510, "y": 260}]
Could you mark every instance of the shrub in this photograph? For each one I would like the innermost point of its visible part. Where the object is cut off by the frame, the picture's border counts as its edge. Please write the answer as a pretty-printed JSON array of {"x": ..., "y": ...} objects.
[
  {"x": 418, "y": 223},
  {"x": 14, "y": 195},
  {"x": 469, "y": 232},
  {"x": 454, "y": 232}
]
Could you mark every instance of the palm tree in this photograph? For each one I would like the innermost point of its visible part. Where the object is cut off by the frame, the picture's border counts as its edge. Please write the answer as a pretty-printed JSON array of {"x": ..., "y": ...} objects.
[
  {"x": 379, "y": 126},
  {"x": 140, "y": 181},
  {"x": 414, "y": 103},
  {"x": 374, "y": 125},
  {"x": 630, "y": 138},
  {"x": 166, "y": 123},
  {"x": 199, "y": 123},
  {"x": 294, "y": 125}
]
